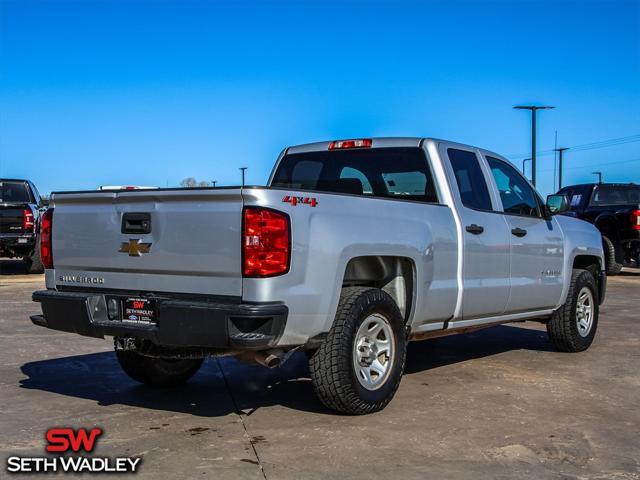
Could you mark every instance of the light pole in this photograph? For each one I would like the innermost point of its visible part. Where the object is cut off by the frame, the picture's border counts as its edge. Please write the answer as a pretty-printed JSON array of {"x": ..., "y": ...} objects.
[
  {"x": 599, "y": 176},
  {"x": 242, "y": 169},
  {"x": 560, "y": 150},
  {"x": 533, "y": 109},
  {"x": 524, "y": 160}
]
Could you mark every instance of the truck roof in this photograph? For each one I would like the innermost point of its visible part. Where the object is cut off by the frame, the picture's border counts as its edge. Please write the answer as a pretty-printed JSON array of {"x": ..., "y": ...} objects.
[
  {"x": 593, "y": 184},
  {"x": 385, "y": 142},
  {"x": 14, "y": 180},
  {"x": 378, "y": 142}
]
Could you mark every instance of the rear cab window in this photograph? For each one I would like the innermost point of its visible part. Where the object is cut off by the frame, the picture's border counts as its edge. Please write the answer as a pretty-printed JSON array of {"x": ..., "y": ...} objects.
[
  {"x": 14, "y": 192},
  {"x": 400, "y": 173},
  {"x": 612, "y": 195}
]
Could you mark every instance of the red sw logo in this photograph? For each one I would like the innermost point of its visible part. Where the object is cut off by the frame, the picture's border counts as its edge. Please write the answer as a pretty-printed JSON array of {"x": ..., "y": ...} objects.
[
  {"x": 65, "y": 439},
  {"x": 303, "y": 200}
]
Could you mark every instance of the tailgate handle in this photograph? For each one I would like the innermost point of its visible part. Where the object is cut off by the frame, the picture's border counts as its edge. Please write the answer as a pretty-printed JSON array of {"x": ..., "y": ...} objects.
[{"x": 136, "y": 223}]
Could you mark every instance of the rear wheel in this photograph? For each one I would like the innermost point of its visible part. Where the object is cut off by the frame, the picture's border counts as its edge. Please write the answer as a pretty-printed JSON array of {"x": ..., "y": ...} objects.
[
  {"x": 612, "y": 254},
  {"x": 358, "y": 367},
  {"x": 34, "y": 262},
  {"x": 573, "y": 326},
  {"x": 159, "y": 372}
]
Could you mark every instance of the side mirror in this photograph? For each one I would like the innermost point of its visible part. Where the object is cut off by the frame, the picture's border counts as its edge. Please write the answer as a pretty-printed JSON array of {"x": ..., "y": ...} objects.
[{"x": 558, "y": 204}]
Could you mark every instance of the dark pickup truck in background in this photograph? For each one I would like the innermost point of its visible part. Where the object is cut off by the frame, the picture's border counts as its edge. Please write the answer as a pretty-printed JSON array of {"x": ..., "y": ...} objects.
[
  {"x": 20, "y": 211},
  {"x": 614, "y": 208}
]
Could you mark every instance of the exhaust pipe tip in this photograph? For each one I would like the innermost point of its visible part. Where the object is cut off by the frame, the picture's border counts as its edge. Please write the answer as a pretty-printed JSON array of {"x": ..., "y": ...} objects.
[
  {"x": 272, "y": 361},
  {"x": 269, "y": 358}
]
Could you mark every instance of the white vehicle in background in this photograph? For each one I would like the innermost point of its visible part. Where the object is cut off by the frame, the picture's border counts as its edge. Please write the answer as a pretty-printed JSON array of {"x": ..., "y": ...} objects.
[{"x": 126, "y": 187}]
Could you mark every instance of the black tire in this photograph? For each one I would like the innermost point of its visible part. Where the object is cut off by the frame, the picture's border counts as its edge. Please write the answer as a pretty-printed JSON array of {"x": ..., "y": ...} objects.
[
  {"x": 611, "y": 256},
  {"x": 332, "y": 370},
  {"x": 157, "y": 372},
  {"x": 34, "y": 262},
  {"x": 563, "y": 327}
]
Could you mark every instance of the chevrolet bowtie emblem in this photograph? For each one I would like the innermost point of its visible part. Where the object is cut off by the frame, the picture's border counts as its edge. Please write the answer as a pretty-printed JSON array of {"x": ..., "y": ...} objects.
[{"x": 134, "y": 248}]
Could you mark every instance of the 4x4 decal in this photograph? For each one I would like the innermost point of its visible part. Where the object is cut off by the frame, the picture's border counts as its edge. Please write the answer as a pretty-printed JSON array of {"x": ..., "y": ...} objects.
[{"x": 303, "y": 200}]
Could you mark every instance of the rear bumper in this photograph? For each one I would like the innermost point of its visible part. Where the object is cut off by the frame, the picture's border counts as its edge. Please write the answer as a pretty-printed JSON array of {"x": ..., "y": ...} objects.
[
  {"x": 17, "y": 243},
  {"x": 180, "y": 322}
]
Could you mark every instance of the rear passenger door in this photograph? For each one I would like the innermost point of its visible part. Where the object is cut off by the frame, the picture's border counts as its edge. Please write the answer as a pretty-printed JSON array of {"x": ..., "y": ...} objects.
[
  {"x": 485, "y": 237},
  {"x": 536, "y": 243}
]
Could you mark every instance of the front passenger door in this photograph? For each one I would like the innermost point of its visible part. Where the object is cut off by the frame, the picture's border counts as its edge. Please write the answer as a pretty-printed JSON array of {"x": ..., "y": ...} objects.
[{"x": 536, "y": 243}]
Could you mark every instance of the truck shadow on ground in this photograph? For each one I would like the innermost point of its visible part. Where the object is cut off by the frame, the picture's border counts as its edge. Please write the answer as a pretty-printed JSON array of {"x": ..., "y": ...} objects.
[
  {"x": 628, "y": 272},
  {"x": 13, "y": 267},
  {"x": 225, "y": 385}
]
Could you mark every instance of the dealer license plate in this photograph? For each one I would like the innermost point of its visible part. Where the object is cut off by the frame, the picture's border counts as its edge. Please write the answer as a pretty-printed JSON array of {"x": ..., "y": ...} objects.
[{"x": 140, "y": 310}]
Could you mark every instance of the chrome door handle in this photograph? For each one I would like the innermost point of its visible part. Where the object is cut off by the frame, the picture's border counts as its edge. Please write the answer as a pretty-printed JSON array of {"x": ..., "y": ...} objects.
[{"x": 474, "y": 229}]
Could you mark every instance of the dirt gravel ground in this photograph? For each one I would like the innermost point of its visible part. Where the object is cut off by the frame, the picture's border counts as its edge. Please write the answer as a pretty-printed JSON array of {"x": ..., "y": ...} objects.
[{"x": 496, "y": 404}]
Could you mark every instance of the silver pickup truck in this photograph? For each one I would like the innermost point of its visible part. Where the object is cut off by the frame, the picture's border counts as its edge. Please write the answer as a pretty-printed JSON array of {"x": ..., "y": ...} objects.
[{"x": 353, "y": 249}]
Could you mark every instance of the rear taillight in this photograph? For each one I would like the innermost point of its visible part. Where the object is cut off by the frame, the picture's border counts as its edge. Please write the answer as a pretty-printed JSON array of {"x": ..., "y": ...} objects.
[
  {"x": 46, "y": 224},
  {"x": 356, "y": 143},
  {"x": 635, "y": 219},
  {"x": 27, "y": 219},
  {"x": 266, "y": 242}
]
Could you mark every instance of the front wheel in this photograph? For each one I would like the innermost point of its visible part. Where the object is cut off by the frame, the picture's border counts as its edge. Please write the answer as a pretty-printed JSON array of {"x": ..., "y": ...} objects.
[
  {"x": 573, "y": 326},
  {"x": 357, "y": 369},
  {"x": 157, "y": 372}
]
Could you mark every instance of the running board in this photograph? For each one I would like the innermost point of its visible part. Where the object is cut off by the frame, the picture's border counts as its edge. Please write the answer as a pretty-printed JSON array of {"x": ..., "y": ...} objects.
[
  {"x": 454, "y": 331},
  {"x": 466, "y": 326}
]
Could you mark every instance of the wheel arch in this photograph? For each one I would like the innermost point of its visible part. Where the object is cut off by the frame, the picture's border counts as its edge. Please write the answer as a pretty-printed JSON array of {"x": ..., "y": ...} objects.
[
  {"x": 396, "y": 275},
  {"x": 588, "y": 262},
  {"x": 593, "y": 264}
]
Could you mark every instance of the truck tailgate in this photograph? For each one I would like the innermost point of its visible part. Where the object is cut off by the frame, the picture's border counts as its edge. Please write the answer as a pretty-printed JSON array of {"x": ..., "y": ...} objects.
[
  {"x": 11, "y": 218},
  {"x": 192, "y": 246}
]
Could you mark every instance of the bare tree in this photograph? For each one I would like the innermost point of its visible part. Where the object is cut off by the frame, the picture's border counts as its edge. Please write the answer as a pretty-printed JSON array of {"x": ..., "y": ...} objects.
[
  {"x": 188, "y": 182},
  {"x": 204, "y": 183}
]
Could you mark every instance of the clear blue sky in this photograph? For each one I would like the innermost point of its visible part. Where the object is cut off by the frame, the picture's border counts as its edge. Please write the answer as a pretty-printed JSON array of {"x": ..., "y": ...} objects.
[{"x": 150, "y": 92}]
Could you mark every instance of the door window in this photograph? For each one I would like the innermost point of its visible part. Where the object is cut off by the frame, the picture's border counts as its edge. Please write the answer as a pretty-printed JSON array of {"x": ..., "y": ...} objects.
[
  {"x": 471, "y": 183},
  {"x": 517, "y": 196}
]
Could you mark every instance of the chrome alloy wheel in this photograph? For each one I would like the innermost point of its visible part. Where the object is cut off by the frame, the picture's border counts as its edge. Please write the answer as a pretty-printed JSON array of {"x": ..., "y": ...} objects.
[
  {"x": 373, "y": 351},
  {"x": 584, "y": 311}
]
